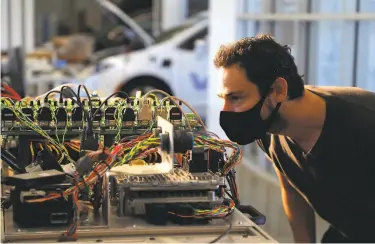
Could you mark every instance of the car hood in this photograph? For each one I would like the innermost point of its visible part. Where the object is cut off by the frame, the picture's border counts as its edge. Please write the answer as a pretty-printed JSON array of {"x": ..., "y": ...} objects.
[{"x": 149, "y": 54}]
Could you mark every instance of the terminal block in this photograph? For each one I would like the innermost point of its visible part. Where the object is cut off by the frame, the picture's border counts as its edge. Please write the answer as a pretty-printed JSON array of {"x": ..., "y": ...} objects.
[{"x": 144, "y": 113}]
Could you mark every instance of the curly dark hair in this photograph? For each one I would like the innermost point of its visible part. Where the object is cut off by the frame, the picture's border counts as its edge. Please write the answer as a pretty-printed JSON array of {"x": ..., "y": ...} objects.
[{"x": 264, "y": 60}]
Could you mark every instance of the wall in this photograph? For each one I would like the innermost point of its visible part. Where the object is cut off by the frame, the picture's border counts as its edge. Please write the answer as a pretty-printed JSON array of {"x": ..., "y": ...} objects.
[
  {"x": 329, "y": 39},
  {"x": 261, "y": 190},
  {"x": 170, "y": 18},
  {"x": 17, "y": 24},
  {"x": 223, "y": 28}
]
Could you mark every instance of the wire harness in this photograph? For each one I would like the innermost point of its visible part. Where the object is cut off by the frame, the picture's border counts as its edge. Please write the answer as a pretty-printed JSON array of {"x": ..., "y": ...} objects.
[{"x": 134, "y": 139}]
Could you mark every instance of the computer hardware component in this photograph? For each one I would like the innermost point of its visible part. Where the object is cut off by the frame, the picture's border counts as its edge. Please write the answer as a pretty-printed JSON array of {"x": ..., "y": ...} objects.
[
  {"x": 35, "y": 179},
  {"x": 149, "y": 152},
  {"x": 135, "y": 192},
  {"x": 47, "y": 213}
]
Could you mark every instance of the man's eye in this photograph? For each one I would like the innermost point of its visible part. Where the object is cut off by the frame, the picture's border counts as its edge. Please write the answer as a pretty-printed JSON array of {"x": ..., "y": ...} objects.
[{"x": 235, "y": 98}]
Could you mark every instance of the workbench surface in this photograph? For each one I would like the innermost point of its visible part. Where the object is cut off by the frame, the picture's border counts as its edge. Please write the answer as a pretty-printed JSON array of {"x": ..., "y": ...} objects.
[{"x": 98, "y": 228}]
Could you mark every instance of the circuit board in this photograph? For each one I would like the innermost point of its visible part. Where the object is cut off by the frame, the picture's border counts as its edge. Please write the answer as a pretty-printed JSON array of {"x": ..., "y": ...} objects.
[{"x": 178, "y": 180}]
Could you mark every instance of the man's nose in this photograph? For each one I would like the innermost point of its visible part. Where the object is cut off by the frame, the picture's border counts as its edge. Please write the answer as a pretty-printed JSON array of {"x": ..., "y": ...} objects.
[{"x": 227, "y": 106}]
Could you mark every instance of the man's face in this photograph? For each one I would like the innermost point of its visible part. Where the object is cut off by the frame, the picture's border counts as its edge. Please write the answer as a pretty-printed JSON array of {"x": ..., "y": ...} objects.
[{"x": 238, "y": 93}]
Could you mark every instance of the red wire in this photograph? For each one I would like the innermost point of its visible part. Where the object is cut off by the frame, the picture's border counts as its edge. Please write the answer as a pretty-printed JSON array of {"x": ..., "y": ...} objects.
[
  {"x": 15, "y": 98},
  {"x": 10, "y": 89},
  {"x": 11, "y": 92}
]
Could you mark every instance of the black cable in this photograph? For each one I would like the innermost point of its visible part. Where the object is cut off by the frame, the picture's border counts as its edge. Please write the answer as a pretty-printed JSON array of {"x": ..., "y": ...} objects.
[
  {"x": 50, "y": 92},
  {"x": 61, "y": 94},
  {"x": 231, "y": 182},
  {"x": 90, "y": 123},
  {"x": 9, "y": 154},
  {"x": 230, "y": 195},
  {"x": 70, "y": 95},
  {"x": 114, "y": 94},
  {"x": 88, "y": 96},
  {"x": 73, "y": 93},
  {"x": 12, "y": 164},
  {"x": 221, "y": 236},
  {"x": 88, "y": 118}
]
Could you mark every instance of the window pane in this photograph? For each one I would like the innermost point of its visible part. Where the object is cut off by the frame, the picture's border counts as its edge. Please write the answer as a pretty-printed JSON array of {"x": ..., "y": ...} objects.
[
  {"x": 366, "y": 48},
  {"x": 293, "y": 33},
  {"x": 248, "y": 28},
  {"x": 332, "y": 45}
]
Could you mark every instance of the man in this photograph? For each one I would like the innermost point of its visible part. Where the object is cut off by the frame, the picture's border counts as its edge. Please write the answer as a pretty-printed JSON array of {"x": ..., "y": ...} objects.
[{"x": 320, "y": 140}]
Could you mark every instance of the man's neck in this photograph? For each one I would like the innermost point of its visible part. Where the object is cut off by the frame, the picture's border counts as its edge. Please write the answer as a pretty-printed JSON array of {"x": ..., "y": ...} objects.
[{"x": 305, "y": 119}]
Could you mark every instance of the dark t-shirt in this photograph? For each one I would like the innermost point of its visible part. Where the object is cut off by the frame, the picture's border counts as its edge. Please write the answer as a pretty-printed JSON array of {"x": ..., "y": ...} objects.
[{"x": 338, "y": 175}]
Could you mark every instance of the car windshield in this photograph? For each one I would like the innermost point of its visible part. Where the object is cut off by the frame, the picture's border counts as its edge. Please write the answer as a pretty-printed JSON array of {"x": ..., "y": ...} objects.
[
  {"x": 111, "y": 20},
  {"x": 171, "y": 33}
]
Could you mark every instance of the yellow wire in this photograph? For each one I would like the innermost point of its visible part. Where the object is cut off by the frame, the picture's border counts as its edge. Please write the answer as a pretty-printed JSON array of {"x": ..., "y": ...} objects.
[
  {"x": 32, "y": 150},
  {"x": 172, "y": 99}
]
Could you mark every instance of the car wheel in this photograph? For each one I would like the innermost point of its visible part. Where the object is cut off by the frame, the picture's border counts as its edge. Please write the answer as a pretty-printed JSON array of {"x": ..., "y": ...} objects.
[{"x": 145, "y": 85}]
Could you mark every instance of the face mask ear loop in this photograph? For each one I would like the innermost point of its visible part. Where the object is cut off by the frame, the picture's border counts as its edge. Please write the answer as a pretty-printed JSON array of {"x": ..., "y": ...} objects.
[
  {"x": 272, "y": 116},
  {"x": 274, "y": 112}
]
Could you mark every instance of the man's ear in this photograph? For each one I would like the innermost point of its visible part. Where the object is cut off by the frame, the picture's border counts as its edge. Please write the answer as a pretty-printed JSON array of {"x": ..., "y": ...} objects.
[{"x": 279, "y": 90}]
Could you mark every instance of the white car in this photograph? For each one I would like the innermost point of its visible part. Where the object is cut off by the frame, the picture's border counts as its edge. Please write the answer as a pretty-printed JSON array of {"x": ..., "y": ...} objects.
[{"x": 175, "y": 62}]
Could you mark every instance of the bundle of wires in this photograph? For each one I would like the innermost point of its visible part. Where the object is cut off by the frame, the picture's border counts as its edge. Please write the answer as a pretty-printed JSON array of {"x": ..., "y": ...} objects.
[
  {"x": 137, "y": 148},
  {"x": 74, "y": 145},
  {"x": 71, "y": 232},
  {"x": 8, "y": 103},
  {"x": 220, "y": 146},
  {"x": 132, "y": 148},
  {"x": 220, "y": 211},
  {"x": 7, "y": 91}
]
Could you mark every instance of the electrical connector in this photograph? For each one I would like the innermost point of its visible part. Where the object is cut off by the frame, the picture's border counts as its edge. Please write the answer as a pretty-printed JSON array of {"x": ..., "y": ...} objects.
[
  {"x": 84, "y": 165},
  {"x": 44, "y": 116},
  {"x": 61, "y": 116},
  {"x": 109, "y": 115},
  {"x": 145, "y": 112},
  {"x": 89, "y": 141},
  {"x": 69, "y": 168},
  {"x": 175, "y": 114},
  {"x": 29, "y": 113},
  {"x": 128, "y": 117},
  {"x": 33, "y": 167},
  {"x": 162, "y": 111}
]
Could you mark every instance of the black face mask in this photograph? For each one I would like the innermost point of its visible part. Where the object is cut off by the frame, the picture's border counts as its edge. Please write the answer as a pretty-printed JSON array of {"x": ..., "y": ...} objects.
[{"x": 248, "y": 126}]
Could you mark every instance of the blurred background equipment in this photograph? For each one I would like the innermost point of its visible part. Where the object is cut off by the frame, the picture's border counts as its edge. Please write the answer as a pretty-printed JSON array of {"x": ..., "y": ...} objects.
[{"x": 13, "y": 74}]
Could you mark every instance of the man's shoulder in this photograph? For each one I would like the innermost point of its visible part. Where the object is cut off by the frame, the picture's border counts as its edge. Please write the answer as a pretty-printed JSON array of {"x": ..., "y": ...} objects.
[{"x": 347, "y": 95}]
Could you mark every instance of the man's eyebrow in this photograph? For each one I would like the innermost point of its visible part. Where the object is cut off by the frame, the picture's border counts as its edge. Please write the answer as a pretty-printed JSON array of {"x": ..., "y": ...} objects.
[{"x": 229, "y": 94}]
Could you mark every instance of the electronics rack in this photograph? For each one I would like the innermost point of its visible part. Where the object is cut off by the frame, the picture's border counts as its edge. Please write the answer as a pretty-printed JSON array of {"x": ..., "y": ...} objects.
[
  {"x": 96, "y": 121},
  {"x": 67, "y": 118}
]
